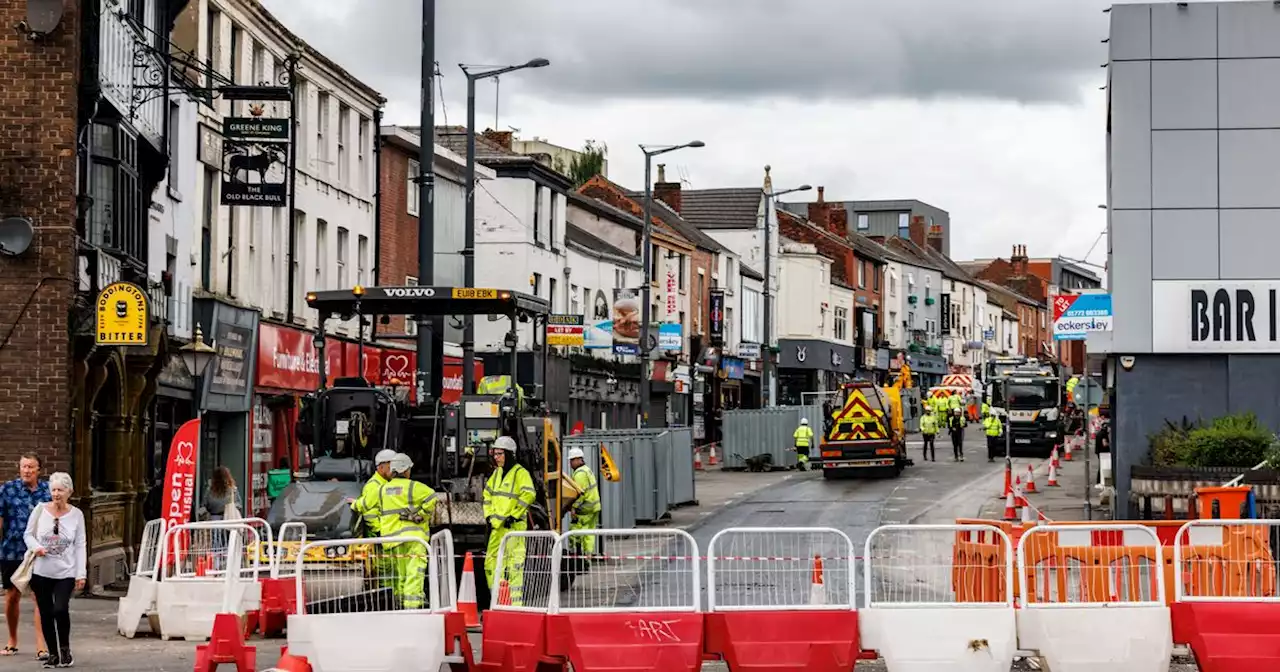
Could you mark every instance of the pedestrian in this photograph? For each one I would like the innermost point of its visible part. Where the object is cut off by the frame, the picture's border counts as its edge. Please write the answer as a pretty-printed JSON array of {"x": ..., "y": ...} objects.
[
  {"x": 220, "y": 502},
  {"x": 994, "y": 429},
  {"x": 928, "y": 431},
  {"x": 55, "y": 532},
  {"x": 956, "y": 426},
  {"x": 802, "y": 439},
  {"x": 407, "y": 508},
  {"x": 584, "y": 513},
  {"x": 507, "y": 496},
  {"x": 18, "y": 498}
]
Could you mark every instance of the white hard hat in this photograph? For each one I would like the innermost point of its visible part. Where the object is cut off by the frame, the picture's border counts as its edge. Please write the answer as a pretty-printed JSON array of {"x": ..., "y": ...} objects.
[
  {"x": 401, "y": 463},
  {"x": 576, "y": 454},
  {"x": 385, "y": 455},
  {"x": 804, "y": 421},
  {"x": 505, "y": 443}
]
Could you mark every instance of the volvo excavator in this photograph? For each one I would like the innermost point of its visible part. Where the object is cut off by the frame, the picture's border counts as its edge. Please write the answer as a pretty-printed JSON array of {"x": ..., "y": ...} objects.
[{"x": 342, "y": 427}]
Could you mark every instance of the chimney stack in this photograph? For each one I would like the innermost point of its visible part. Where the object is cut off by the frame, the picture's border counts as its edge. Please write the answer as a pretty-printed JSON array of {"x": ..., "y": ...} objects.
[
  {"x": 1018, "y": 260},
  {"x": 916, "y": 231},
  {"x": 818, "y": 212},
  {"x": 667, "y": 192},
  {"x": 500, "y": 138},
  {"x": 838, "y": 220},
  {"x": 935, "y": 237}
]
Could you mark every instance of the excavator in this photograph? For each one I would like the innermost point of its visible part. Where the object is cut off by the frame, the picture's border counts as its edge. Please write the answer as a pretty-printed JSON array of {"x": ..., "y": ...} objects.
[{"x": 344, "y": 426}]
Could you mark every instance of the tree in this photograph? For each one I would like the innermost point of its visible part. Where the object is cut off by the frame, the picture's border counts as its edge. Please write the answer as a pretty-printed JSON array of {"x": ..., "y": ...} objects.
[{"x": 588, "y": 163}]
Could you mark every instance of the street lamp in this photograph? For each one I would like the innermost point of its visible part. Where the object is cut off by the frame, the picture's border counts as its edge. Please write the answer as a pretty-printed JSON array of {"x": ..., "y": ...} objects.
[
  {"x": 469, "y": 215},
  {"x": 767, "y": 350},
  {"x": 650, "y": 151},
  {"x": 197, "y": 355}
]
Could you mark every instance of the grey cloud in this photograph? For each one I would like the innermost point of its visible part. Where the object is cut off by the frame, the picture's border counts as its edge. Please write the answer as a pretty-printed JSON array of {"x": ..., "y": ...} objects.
[{"x": 1028, "y": 51}]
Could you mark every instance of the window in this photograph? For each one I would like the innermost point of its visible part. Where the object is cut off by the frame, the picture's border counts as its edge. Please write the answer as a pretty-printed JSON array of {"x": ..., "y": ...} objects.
[
  {"x": 344, "y": 238},
  {"x": 175, "y": 147},
  {"x": 362, "y": 172},
  {"x": 304, "y": 122},
  {"x": 551, "y": 293},
  {"x": 299, "y": 231},
  {"x": 893, "y": 285},
  {"x": 322, "y": 133},
  {"x": 322, "y": 256},
  {"x": 277, "y": 260},
  {"x": 728, "y": 323},
  {"x": 117, "y": 218},
  {"x": 842, "y": 323},
  {"x": 681, "y": 272},
  {"x": 653, "y": 264},
  {"x": 1042, "y": 319},
  {"x": 875, "y": 278},
  {"x": 575, "y": 306},
  {"x": 864, "y": 221},
  {"x": 411, "y": 189},
  {"x": 537, "y": 284},
  {"x": 551, "y": 219},
  {"x": 211, "y": 177},
  {"x": 344, "y": 131},
  {"x": 619, "y": 278},
  {"x": 212, "y": 43},
  {"x": 362, "y": 259},
  {"x": 537, "y": 214},
  {"x": 237, "y": 36},
  {"x": 862, "y": 275},
  {"x": 904, "y": 225},
  {"x": 729, "y": 275},
  {"x": 410, "y": 321},
  {"x": 259, "y": 66}
]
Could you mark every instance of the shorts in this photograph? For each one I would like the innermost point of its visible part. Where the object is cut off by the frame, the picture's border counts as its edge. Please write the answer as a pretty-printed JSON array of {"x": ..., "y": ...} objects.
[{"x": 7, "y": 568}]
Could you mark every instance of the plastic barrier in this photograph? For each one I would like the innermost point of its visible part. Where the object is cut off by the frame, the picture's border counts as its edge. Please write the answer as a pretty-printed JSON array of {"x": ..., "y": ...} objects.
[
  {"x": 514, "y": 638},
  {"x": 279, "y": 591},
  {"x": 141, "y": 599},
  {"x": 912, "y": 612},
  {"x": 1226, "y": 603},
  {"x": 192, "y": 588},
  {"x": 782, "y": 599},
  {"x": 1093, "y": 598},
  {"x": 381, "y": 595},
  {"x": 227, "y": 639},
  {"x": 636, "y": 609}
]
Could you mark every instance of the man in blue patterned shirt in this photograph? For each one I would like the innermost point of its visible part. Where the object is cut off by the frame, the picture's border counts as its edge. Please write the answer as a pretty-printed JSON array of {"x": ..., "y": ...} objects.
[{"x": 17, "y": 499}]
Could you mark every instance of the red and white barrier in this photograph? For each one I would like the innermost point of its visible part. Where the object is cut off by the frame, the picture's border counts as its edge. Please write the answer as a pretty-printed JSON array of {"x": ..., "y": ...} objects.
[
  {"x": 911, "y": 614},
  {"x": 193, "y": 585},
  {"x": 1103, "y": 615},
  {"x": 140, "y": 601}
]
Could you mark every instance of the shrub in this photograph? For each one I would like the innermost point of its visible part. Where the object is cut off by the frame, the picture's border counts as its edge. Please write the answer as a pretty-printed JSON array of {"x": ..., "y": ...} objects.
[
  {"x": 1237, "y": 440},
  {"x": 1169, "y": 445}
]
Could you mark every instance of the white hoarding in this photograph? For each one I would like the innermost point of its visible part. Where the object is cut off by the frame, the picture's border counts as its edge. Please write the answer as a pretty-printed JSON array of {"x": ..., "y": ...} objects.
[{"x": 1219, "y": 316}]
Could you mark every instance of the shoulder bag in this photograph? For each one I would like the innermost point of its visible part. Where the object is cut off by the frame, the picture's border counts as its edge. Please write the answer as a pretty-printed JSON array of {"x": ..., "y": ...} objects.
[{"x": 21, "y": 578}]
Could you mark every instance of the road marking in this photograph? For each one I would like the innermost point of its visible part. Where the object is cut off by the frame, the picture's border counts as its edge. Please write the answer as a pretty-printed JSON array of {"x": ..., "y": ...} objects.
[
  {"x": 899, "y": 499},
  {"x": 892, "y": 508},
  {"x": 739, "y": 494}
]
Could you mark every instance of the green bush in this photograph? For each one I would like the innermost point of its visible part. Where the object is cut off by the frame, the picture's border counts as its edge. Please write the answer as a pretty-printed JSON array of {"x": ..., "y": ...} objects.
[
  {"x": 1169, "y": 445},
  {"x": 1237, "y": 440}
]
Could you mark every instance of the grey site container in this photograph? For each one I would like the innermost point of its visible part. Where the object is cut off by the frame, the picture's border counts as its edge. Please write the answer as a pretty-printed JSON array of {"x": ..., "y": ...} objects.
[
  {"x": 657, "y": 472},
  {"x": 617, "y": 503},
  {"x": 753, "y": 432}
]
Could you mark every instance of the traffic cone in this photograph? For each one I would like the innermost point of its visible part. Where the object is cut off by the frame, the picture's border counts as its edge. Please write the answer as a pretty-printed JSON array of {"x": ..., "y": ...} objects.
[
  {"x": 1053, "y": 475},
  {"x": 291, "y": 663},
  {"x": 1018, "y": 495},
  {"x": 1008, "y": 479},
  {"x": 1066, "y": 445},
  {"x": 504, "y": 593},
  {"x": 1031, "y": 479},
  {"x": 697, "y": 460},
  {"x": 467, "y": 592},
  {"x": 714, "y": 459},
  {"x": 1053, "y": 458},
  {"x": 1028, "y": 518},
  {"x": 1010, "y": 507},
  {"x": 817, "y": 592}
]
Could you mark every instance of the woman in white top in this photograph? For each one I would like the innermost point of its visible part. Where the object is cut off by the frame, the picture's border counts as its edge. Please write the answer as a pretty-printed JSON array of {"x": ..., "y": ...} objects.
[{"x": 55, "y": 533}]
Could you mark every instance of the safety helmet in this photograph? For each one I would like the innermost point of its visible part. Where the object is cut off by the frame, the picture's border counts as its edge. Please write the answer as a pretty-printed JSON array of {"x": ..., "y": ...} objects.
[
  {"x": 804, "y": 421},
  {"x": 384, "y": 456},
  {"x": 505, "y": 443},
  {"x": 576, "y": 454},
  {"x": 401, "y": 463}
]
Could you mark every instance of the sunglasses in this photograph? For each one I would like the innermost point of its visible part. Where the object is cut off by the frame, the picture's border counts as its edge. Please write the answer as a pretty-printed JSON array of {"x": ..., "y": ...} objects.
[{"x": 56, "y": 522}]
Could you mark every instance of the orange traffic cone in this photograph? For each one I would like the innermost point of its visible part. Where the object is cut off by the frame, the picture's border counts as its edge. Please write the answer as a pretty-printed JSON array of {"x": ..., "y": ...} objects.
[
  {"x": 817, "y": 592},
  {"x": 1053, "y": 458},
  {"x": 1031, "y": 479},
  {"x": 1066, "y": 445},
  {"x": 1010, "y": 507},
  {"x": 1008, "y": 480},
  {"x": 697, "y": 460},
  {"x": 714, "y": 459},
  {"x": 1018, "y": 495},
  {"x": 1053, "y": 475},
  {"x": 1028, "y": 516},
  {"x": 504, "y": 593},
  {"x": 467, "y": 592},
  {"x": 291, "y": 663}
]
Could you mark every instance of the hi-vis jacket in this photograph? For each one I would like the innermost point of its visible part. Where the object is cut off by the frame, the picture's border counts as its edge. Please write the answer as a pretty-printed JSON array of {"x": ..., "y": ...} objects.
[
  {"x": 366, "y": 506},
  {"x": 589, "y": 501},
  {"x": 508, "y": 492},
  {"x": 407, "y": 508},
  {"x": 803, "y": 436}
]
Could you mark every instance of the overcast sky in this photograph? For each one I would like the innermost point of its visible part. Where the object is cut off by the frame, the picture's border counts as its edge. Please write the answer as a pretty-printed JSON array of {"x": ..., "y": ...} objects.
[{"x": 989, "y": 109}]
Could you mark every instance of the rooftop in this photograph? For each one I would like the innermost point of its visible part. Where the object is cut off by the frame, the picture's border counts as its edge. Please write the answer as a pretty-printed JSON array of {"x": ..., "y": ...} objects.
[{"x": 736, "y": 208}]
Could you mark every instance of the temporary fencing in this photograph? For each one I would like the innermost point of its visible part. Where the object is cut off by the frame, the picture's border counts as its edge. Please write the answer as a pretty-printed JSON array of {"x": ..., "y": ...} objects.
[
  {"x": 194, "y": 561},
  {"x": 445, "y": 577},
  {"x": 140, "y": 600},
  {"x": 920, "y": 616},
  {"x": 515, "y": 630},
  {"x": 658, "y": 465},
  {"x": 754, "y": 433},
  {"x": 1093, "y": 598},
  {"x": 637, "y": 609},
  {"x": 1226, "y": 600},
  {"x": 381, "y": 593},
  {"x": 782, "y": 599},
  {"x": 279, "y": 590}
]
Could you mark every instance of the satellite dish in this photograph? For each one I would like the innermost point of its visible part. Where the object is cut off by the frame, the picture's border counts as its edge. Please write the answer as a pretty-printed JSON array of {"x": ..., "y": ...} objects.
[
  {"x": 15, "y": 235},
  {"x": 44, "y": 15}
]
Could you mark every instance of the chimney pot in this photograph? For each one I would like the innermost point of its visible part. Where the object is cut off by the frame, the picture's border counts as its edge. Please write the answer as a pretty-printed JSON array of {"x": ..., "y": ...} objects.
[
  {"x": 662, "y": 172},
  {"x": 821, "y": 198}
]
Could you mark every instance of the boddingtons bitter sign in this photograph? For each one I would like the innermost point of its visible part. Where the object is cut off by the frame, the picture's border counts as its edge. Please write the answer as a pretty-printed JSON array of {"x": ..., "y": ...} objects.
[{"x": 121, "y": 315}]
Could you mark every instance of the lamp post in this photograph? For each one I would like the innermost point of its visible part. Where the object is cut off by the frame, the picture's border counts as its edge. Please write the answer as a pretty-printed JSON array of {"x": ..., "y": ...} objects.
[
  {"x": 469, "y": 216},
  {"x": 650, "y": 151},
  {"x": 769, "y": 197},
  {"x": 197, "y": 356}
]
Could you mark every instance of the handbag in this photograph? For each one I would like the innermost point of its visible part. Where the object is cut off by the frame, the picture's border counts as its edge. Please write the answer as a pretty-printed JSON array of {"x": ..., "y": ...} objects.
[{"x": 21, "y": 578}]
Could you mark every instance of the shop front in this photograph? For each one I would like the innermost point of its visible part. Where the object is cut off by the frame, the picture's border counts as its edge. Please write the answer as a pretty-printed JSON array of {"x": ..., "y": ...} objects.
[
  {"x": 288, "y": 368},
  {"x": 929, "y": 369},
  {"x": 811, "y": 365},
  {"x": 226, "y": 392}
]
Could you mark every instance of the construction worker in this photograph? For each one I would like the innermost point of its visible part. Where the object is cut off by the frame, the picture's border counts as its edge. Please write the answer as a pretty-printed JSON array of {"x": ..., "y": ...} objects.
[
  {"x": 956, "y": 424},
  {"x": 929, "y": 430},
  {"x": 955, "y": 402},
  {"x": 507, "y": 496},
  {"x": 585, "y": 511},
  {"x": 994, "y": 430},
  {"x": 499, "y": 385},
  {"x": 803, "y": 439},
  {"x": 986, "y": 410},
  {"x": 366, "y": 506},
  {"x": 407, "y": 508}
]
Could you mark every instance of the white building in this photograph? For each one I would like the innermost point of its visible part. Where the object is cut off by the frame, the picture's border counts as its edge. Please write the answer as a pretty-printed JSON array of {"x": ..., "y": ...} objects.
[
  {"x": 750, "y": 306},
  {"x": 172, "y": 220},
  {"x": 244, "y": 251},
  {"x": 804, "y": 306},
  {"x": 601, "y": 241}
]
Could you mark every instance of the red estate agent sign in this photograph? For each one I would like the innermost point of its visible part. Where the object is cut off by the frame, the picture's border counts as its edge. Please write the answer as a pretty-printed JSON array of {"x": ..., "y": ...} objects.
[{"x": 180, "y": 478}]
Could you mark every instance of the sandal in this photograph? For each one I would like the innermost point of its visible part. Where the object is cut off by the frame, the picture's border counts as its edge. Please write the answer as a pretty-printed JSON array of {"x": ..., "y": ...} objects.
[
  {"x": 9, "y": 651},
  {"x": 42, "y": 654}
]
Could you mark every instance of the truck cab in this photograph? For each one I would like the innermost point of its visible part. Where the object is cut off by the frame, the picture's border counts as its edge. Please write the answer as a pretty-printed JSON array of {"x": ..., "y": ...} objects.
[
  {"x": 1029, "y": 403},
  {"x": 862, "y": 432}
]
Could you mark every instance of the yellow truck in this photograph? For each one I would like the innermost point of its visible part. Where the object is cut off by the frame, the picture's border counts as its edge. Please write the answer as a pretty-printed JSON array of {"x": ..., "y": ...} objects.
[{"x": 863, "y": 432}]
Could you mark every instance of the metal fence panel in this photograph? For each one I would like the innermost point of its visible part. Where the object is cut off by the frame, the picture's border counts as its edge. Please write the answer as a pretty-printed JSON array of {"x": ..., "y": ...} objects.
[
  {"x": 617, "y": 500},
  {"x": 657, "y": 472},
  {"x": 760, "y": 431},
  {"x": 681, "y": 467}
]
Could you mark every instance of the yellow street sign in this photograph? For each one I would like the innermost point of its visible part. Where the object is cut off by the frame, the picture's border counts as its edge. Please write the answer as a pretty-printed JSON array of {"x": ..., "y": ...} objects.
[
  {"x": 474, "y": 293},
  {"x": 122, "y": 317}
]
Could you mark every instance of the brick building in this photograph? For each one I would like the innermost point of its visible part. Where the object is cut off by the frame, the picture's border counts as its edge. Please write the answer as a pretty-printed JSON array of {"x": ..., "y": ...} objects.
[{"x": 1034, "y": 320}]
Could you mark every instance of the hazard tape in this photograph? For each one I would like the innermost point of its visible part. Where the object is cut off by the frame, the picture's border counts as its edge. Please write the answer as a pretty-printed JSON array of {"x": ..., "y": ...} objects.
[{"x": 718, "y": 558}]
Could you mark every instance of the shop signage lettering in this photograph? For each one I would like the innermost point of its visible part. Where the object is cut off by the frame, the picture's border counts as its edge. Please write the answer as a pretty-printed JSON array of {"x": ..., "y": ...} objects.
[
  {"x": 1215, "y": 316},
  {"x": 121, "y": 315},
  {"x": 180, "y": 476},
  {"x": 410, "y": 292}
]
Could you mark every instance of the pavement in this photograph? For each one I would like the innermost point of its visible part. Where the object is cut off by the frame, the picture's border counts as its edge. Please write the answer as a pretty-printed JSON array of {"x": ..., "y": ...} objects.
[
  {"x": 929, "y": 492},
  {"x": 1062, "y": 503}
]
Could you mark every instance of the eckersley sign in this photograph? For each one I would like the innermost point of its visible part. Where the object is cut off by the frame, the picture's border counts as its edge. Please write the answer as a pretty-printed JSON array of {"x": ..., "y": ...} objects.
[{"x": 287, "y": 360}]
